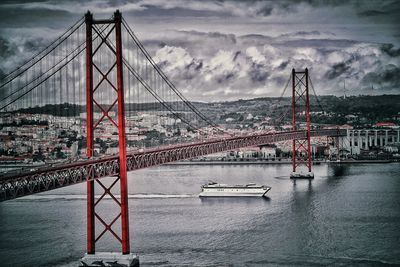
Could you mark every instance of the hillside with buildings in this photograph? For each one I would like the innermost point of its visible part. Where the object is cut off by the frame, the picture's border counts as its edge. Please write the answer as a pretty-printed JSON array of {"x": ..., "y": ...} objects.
[
  {"x": 49, "y": 136},
  {"x": 358, "y": 111}
]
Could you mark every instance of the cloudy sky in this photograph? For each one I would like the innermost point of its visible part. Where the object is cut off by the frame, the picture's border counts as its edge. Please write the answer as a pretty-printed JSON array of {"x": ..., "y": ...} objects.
[{"x": 225, "y": 50}]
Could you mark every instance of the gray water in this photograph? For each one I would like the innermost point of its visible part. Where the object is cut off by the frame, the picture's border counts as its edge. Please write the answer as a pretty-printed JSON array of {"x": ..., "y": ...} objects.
[{"x": 347, "y": 216}]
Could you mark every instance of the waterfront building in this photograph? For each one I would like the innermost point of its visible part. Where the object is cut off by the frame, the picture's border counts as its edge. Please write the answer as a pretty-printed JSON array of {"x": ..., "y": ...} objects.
[
  {"x": 268, "y": 152},
  {"x": 358, "y": 140}
]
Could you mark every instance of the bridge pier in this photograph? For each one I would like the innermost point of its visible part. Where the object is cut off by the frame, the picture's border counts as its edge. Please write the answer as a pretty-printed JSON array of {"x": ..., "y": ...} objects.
[
  {"x": 106, "y": 259},
  {"x": 302, "y": 175}
]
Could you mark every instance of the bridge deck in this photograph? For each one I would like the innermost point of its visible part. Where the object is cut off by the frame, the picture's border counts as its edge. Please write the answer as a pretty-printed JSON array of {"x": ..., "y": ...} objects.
[{"x": 22, "y": 184}]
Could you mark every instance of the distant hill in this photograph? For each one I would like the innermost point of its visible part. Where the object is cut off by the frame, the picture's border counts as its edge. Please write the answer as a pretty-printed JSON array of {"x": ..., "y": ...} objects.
[{"x": 369, "y": 109}]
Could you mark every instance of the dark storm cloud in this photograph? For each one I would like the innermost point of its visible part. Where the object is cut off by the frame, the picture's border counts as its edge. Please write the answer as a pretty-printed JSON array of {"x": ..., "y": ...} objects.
[
  {"x": 192, "y": 69},
  {"x": 337, "y": 70},
  {"x": 258, "y": 73},
  {"x": 2, "y": 74},
  {"x": 380, "y": 10},
  {"x": 386, "y": 78},
  {"x": 196, "y": 66},
  {"x": 326, "y": 43},
  {"x": 226, "y": 78},
  {"x": 371, "y": 13},
  {"x": 9, "y": 47},
  {"x": 390, "y": 50},
  {"x": 301, "y": 33},
  {"x": 265, "y": 11},
  {"x": 283, "y": 65},
  {"x": 15, "y": 16},
  {"x": 5, "y": 52},
  {"x": 341, "y": 68},
  {"x": 33, "y": 45},
  {"x": 15, "y": 50},
  {"x": 5, "y": 48}
]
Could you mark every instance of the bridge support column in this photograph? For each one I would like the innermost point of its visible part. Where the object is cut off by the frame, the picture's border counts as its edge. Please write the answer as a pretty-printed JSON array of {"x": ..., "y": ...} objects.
[
  {"x": 121, "y": 137},
  {"x": 366, "y": 140},
  {"x": 301, "y": 148},
  {"x": 337, "y": 144},
  {"x": 114, "y": 49},
  {"x": 89, "y": 133},
  {"x": 352, "y": 147},
  {"x": 386, "y": 137}
]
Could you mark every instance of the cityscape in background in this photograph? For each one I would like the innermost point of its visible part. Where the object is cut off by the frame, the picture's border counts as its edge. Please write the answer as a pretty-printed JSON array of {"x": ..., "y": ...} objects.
[{"x": 45, "y": 138}]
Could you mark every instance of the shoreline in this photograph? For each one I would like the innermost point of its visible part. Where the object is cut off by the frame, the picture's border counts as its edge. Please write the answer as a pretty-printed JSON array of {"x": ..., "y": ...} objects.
[{"x": 216, "y": 162}]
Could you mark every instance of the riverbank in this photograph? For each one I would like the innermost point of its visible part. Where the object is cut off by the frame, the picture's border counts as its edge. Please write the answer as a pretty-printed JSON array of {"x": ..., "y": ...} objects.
[{"x": 265, "y": 162}]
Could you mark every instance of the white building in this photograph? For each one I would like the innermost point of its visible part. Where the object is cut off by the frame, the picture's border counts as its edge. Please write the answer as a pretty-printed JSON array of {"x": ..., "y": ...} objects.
[
  {"x": 268, "y": 152},
  {"x": 365, "y": 139}
]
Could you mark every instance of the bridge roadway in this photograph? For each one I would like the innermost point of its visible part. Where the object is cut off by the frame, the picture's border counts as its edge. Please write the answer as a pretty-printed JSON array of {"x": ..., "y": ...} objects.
[{"x": 45, "y": 179}]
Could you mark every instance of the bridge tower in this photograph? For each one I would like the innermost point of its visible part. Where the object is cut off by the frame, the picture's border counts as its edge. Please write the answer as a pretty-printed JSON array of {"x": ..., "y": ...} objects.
[
  {"x": 301, "y": 148},
  {"x": 103, "y": 30}
]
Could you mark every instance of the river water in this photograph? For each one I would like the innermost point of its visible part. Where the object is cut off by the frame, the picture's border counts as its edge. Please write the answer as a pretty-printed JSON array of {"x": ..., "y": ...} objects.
[{"x": 348, "y": 215}]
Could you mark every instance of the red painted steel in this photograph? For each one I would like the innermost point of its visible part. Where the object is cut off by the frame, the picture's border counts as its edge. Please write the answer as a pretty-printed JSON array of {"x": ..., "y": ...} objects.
[
  {"x": 118, "y": 168},
  {"x": 121, "y": 138},
  {"x": 293, "y": 120},
  {"x": 308, "y": 124},
  {"x": 301, "y": 148},
  {"x": 89, "y": 134}
]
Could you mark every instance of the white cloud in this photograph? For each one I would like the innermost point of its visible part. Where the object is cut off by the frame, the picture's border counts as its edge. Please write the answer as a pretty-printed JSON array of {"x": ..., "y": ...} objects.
[
  {"x": 246, "y": 69},
  {"x": 174, "y": 58},
  {"x": 255, "y": 55}
]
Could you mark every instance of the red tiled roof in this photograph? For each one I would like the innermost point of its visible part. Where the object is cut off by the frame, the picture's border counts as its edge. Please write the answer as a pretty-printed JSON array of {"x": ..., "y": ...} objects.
[{"x": 382, "y": 124}]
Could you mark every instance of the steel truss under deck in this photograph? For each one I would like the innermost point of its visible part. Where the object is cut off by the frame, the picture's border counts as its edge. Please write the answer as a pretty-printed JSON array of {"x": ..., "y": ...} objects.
[{"x": 23, "y": 184}]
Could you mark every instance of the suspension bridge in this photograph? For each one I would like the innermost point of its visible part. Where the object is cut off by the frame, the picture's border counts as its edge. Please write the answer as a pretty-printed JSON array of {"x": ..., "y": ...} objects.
[{"x": 97, "y": 84}]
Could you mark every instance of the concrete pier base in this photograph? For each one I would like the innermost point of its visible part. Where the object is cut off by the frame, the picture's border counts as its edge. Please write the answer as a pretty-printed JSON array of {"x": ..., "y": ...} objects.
[
  {"x": 109, "y": 259},
  {"x": 302, "y": 175}
]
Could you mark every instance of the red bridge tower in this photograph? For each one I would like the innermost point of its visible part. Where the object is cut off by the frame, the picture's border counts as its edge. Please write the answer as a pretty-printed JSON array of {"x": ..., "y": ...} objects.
[
  {"x": 301, "y": 148},
  {"x": 109, "y": 78}
]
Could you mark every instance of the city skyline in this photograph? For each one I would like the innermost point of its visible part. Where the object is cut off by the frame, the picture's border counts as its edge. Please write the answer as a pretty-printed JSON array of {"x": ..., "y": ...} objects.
[{"x": 226, "y": 50}]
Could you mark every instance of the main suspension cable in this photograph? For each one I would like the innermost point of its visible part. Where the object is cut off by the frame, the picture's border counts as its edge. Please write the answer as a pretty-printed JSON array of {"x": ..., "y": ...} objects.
[
  {"x": 55, "y": 43},
  {"x": 165, "y": 78},
  {"x": 43, "y": 74},
  {"x": 315, "y": 94},
  {"x": 146, "y": 86}
]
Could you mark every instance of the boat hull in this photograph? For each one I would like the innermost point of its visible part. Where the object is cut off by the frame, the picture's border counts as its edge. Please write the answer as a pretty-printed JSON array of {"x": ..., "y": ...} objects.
[
  {"x": 228, "y": 193},
  {"x": 231, "y": 195}
]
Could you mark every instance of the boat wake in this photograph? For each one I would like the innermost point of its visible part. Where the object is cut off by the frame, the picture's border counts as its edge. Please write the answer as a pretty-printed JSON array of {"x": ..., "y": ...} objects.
[
  {"x": 83, "y": 197},
  {"x": 282, "y": 177}
]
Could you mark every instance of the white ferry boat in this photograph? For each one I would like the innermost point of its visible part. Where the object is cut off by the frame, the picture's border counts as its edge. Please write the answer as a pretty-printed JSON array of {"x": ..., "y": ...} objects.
[{"x": 223, "y": 190}]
